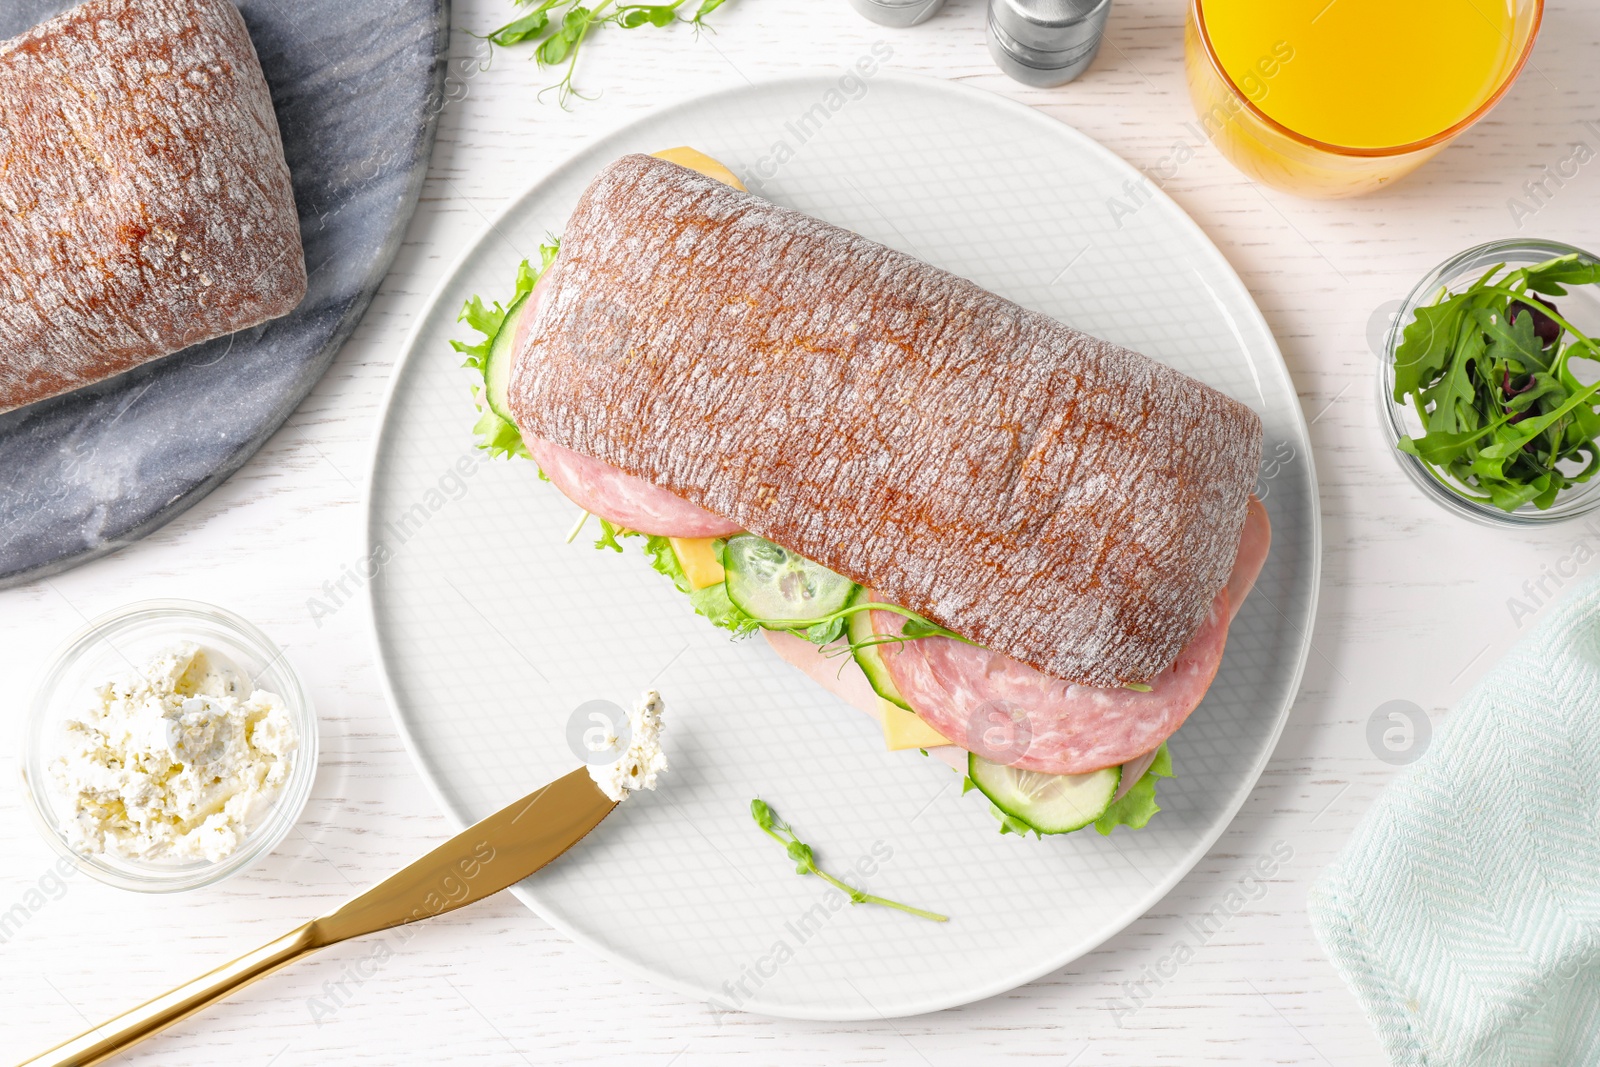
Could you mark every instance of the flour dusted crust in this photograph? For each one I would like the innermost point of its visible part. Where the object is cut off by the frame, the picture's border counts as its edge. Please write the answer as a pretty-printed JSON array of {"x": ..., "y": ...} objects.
[
  {"x": 144, "y": 200},
  {"x": 1059, "y": 499}
]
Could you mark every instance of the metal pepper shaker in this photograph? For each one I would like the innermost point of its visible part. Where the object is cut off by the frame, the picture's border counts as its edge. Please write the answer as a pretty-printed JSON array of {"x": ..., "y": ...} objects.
[
  {"x": 1045, "y": 42},
  {"x": 897, "y": 13}
]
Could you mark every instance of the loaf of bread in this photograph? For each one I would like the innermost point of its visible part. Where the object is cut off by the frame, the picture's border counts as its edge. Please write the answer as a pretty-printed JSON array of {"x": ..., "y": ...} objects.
[
  {"x": 145, "y": 204},
  {"x": 1053, "y": 497}
]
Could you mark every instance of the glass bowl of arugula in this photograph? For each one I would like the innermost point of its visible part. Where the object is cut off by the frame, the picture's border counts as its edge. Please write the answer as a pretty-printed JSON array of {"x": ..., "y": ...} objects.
[{"x": 1491, "y": 384}]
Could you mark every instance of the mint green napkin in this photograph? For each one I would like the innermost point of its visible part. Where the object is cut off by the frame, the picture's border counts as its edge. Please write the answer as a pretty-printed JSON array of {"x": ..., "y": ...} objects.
[{"x": 1465, "y": 911}]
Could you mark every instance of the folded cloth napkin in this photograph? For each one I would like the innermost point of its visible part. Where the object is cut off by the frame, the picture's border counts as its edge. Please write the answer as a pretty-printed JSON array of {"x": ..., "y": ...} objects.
[{"x": 1465, "y": 911}]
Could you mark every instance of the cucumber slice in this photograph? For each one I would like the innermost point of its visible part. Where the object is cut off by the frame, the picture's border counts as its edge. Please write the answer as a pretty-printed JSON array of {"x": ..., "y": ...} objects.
[
  {"x": 1047, "y": 803},
  {"x": 497, "y": 365},
  {"x": 767, "y": 581},
  {"x": 868, "y": 657}
]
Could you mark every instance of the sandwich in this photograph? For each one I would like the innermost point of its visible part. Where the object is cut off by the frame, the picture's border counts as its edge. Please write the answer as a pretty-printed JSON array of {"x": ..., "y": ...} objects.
[
  {"x": 145, "y": 204},
  {"x": 1017, "y": 545}
]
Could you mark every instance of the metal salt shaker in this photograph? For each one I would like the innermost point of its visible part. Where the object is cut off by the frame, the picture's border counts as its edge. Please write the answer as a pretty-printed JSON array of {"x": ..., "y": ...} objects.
[
  {"x": 897, "y": 13},
  {"x": 1046, "y": 42}
]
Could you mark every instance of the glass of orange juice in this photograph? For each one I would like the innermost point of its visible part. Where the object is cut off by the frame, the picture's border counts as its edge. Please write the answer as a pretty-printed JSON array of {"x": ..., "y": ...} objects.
[{"x": 1339, "y": 98}]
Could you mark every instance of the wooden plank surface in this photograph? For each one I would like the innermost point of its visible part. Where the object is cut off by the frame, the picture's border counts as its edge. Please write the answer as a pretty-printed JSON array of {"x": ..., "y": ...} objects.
[{"x": 1415, "y": 606}]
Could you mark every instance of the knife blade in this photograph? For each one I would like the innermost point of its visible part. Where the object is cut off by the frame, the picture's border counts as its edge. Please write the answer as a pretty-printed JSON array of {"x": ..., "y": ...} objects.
[
  {"x": 480, "y": 861},
  {"x": 483, "y": 859}
]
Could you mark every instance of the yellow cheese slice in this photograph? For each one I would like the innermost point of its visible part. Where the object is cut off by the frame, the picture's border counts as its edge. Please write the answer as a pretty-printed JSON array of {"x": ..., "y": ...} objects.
[
  {"x": 904, "y": 729},
  {"x": 698, "y": 561},
  {"x": 699, "y": 162}
]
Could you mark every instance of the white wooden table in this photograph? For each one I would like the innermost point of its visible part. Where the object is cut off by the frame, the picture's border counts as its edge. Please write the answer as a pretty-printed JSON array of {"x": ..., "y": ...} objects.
[{"x": 1414, "y": 607}]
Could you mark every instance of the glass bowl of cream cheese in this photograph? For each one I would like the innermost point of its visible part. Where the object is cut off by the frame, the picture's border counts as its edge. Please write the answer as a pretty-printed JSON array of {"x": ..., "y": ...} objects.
[{"x": 168, "y": 745}]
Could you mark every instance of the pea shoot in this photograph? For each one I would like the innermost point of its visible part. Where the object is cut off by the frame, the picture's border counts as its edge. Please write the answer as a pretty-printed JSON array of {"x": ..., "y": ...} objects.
[
  {"x": 558, "y": 28},
  {"x": 805, "y": 862}
]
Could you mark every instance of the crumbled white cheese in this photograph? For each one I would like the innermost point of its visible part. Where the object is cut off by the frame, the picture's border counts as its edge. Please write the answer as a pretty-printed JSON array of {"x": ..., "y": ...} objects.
[
  {"x": 174, "y": 761},
  {"x": 645, "y": 759}
]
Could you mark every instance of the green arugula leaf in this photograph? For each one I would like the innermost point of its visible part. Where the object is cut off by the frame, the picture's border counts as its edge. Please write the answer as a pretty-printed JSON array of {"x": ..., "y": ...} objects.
[
  {"x": 1441, "y": 449},
  {"x": 1425, "y": 343},
  {"x": 1136, "y": 808},
  {"x": 1453, "y": 395},
  {"x": 1511, "y": 340},
  {"x": 1506, "y": 422},
  {"x": 1552, "y": 276}
]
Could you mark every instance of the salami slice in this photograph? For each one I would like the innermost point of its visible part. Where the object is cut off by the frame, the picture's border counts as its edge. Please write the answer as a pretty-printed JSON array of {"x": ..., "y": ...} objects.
[
  {"x": 1010, "y": 713},
  {"x": 629, "y": 502},
  {"x": 850, "y": 685}
]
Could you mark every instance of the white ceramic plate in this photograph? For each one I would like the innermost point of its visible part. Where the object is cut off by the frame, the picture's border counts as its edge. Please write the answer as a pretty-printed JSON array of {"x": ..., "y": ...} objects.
[{"x": 492, "y": 630}]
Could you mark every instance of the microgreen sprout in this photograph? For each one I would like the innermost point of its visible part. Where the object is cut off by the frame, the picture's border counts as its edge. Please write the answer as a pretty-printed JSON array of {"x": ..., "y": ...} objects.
[
  {"x": 558, "y": 28},
  {"x": 805, "y": 862}
]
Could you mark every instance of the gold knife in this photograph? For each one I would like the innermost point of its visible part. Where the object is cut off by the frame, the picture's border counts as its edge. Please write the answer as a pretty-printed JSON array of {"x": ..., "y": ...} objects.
[{"x": 480, "y": 861}]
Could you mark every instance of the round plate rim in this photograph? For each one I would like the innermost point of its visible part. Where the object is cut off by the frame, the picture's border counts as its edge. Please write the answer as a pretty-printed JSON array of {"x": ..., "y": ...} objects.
[{"x": 1178, "y": 871}]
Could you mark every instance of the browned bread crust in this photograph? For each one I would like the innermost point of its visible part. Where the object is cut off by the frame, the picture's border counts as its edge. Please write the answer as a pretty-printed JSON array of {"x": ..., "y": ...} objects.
[
  {"x": 145, "y": 204},
  {"x": 1056, "y": 498}
]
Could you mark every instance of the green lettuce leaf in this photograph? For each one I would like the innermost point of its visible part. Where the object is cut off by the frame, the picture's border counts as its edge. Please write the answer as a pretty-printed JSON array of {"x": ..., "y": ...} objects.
[
  {"x": 1009, "y": 824},
  {"x": 609, "y": 532},
  {"x": 665, "y": 561},
  {"x": 495, "y": 435},
  {"x": 1135, "y": 809},
  {"x": 711, "y": 602}
]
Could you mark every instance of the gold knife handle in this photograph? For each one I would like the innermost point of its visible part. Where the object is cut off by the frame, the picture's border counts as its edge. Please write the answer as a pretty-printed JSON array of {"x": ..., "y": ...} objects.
[
  {"x": 478, "y": 862},
  {"x": 131, "y": 1027}
]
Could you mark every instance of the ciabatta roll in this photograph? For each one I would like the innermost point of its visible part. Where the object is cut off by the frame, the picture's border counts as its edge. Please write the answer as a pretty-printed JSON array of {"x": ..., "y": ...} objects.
[
  {"x": 145, "y": 205},
  {"x": 1048, "y": 495}
]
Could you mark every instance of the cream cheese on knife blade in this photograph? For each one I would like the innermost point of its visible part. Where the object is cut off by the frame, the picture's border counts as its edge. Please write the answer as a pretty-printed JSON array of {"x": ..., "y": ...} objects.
[{"x": 644, "y": 761}]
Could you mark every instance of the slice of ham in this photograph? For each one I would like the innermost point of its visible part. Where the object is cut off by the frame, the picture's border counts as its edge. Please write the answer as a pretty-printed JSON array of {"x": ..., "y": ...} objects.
[
  {"x": 840, "y": 676},
  {"x": 601, "y": 489},
  {"x": 1254, "y": 544},
  {"x": 628, "y": 502}
]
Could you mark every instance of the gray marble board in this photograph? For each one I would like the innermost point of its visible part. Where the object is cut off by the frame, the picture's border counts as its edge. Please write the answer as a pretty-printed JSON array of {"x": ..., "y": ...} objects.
[{"x": 357, "y": 87}]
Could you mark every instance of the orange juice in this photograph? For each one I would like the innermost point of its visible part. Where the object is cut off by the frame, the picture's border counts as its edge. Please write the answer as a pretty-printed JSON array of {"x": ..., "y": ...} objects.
[
  {"x": 1338, "y": 97},
  {"x": 1365, "y": 73}
]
